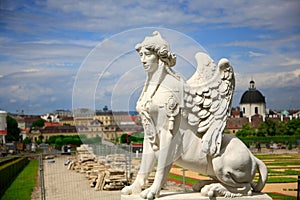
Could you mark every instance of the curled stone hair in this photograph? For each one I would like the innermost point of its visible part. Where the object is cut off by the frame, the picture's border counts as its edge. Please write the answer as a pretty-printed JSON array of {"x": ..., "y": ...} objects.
[{"x": 158, "y": 45}]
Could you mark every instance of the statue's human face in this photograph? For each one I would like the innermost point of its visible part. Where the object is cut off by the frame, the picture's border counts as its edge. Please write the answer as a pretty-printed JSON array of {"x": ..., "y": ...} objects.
[{"x": 149, "y": 60}]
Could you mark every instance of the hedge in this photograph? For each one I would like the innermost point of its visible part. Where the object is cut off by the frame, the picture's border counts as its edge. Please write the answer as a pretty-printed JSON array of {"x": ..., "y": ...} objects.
[
  {"x": 7, "y": 160},
  {"x": 271, "y": 139},
  {"x": 9, "y": 171}
]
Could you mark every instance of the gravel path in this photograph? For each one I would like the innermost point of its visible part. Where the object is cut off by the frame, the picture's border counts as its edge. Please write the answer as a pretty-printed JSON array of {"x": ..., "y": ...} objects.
[{"x": 63, "y": 184}]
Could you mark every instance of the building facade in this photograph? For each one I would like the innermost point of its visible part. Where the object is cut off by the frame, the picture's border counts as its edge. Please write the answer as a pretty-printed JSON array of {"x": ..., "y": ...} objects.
[
  {"x": 253, "y": 102},
  {"x": 3, "y": 126}
]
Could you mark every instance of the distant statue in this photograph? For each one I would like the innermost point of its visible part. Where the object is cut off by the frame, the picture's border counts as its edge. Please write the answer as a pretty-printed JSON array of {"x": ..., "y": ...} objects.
[{"x": 184, "y": 123}]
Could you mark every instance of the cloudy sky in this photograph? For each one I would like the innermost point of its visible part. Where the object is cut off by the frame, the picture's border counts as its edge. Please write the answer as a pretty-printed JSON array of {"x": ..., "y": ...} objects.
[{"x": 46, "y": 46}]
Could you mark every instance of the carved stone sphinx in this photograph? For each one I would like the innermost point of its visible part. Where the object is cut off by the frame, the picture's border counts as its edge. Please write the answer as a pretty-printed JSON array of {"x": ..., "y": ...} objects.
[{"x": 184, "y": 123}]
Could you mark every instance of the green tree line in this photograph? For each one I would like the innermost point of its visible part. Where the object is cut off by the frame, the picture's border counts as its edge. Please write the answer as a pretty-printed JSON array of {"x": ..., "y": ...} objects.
[
  {"x": 271, "y": 128},
  {"x": 60, "y": 140}
]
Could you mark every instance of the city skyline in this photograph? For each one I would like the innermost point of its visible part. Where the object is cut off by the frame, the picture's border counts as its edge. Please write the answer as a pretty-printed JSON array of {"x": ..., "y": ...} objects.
[{"x": 44, "y": 44}]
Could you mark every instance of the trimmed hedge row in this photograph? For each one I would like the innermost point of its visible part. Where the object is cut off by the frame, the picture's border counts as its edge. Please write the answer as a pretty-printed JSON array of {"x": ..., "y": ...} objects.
[
  {"x": 7, "y": 160},
  {"x": 271, "y": 139},
  {"x": 9, "y": 171}
]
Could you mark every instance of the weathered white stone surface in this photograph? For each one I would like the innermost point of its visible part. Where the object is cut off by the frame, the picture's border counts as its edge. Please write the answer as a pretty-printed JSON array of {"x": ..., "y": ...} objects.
[
  {"x": 184, "y": 122},
  {"x": 196, "y": 196}
]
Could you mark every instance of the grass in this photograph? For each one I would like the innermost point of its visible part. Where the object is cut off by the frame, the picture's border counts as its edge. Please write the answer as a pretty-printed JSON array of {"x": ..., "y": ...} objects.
[
  {"x": 287, "y": 172},
  {"x": 270, "y": 179},
  {"x": 179, "y": 178},
  {"x": 281, "y": 197},
  {"x": 275, "y": 162},
  {"x": 24, "y": 184},
  {"x": 281, "y": 180}
]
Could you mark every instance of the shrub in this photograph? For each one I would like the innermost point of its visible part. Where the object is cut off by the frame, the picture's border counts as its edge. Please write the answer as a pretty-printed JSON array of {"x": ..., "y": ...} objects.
[{"x": 9, "y": 171}]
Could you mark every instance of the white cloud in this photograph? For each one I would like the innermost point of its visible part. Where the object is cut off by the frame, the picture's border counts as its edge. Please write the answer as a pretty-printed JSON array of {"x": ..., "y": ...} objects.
[
  {"x": 255, "y": 13},
  {"x": 52, "y": 99},
  {"x": 290, "y": 62},
  {"x": 269, "y": 14},
  {"x": 43, "y": 89},
  {"x": 30, "y": 70},
  {"x": 255, "y": 54},
  {"x": 270, "y": 79},
  {"x": 46, "y": 41}
]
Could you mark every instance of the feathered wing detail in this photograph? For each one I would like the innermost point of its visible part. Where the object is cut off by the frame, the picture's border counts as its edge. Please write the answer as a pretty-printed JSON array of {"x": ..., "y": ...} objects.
[{"x": 207, "y": 98}]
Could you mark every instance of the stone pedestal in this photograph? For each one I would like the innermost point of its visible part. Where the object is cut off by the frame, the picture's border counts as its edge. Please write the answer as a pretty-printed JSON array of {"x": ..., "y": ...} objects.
[{"x": 196, "y": 196}]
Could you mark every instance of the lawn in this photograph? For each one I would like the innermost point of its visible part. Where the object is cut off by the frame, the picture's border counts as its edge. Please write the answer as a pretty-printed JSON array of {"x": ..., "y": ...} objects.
[
  {"x": 189, "y": 181},
  {"x": 282, "y": 168},
  {"x": 23, "y": 185},
  {"x": 281, "y": 197}
]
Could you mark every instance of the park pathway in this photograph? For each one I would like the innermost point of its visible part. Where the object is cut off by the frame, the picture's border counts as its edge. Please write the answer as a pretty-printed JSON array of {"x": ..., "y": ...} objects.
[{"x": 64, "y": 184}]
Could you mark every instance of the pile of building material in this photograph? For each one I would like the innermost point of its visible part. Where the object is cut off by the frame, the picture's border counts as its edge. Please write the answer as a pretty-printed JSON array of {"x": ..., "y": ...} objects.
[{"x": 103, "y": 173}]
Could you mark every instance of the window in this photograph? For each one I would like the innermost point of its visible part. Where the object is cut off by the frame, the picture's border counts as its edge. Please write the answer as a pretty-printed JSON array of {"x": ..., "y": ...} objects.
[
  {"x": 256, "y": 110},
  {"x": 244, "y": 110}
]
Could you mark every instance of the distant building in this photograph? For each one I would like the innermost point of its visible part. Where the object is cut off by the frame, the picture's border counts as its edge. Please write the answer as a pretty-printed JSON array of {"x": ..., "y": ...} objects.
[
  {"x": 58, "y": 130},
  {"x": 106, "y": 117},
  {"x": 3, "y": 126},
  {"x": 67, "y": 121},
  {"x": 253, "y": 102},
  {"x": 25, "y": 122},
  {"x": 63, "y": 113},
  {"x": 253, "y": 111},
  {"x": 50, "y": 117},
  {"x": 49, "y": 131}
]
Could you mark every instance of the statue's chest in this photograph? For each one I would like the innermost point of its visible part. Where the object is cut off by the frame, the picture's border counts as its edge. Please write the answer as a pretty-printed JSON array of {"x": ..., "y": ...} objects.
[{"x": 156, "y": 102}]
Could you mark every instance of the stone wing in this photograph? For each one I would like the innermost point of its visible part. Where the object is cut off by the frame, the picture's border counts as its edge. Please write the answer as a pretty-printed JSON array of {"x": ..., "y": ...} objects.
[{"x": 207, "y": 100}]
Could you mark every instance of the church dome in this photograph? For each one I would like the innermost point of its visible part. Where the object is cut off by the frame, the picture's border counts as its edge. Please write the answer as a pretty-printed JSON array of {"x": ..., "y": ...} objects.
[{"x": 252, "y": 95}]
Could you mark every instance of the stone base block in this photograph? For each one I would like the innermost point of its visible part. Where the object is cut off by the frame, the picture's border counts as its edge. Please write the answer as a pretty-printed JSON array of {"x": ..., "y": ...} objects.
[{"x": 196, "y": 196}]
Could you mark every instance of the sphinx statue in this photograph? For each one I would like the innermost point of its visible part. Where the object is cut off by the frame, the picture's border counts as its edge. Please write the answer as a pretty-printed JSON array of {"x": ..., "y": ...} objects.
[{"x": 184, "y": 122}]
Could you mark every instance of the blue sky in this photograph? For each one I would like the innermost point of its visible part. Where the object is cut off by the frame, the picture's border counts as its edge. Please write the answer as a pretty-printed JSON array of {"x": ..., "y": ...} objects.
[{"x": 44, "y": 43}]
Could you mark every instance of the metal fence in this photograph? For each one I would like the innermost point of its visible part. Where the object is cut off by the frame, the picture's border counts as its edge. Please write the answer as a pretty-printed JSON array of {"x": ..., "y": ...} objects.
[{"x": 55, "y": 181}]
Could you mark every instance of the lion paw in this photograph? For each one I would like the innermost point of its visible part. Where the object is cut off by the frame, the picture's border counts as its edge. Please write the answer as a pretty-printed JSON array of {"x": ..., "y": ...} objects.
[
  {"x": 216, "y": 189},
  {"x": 150, "y": 193},
  {"x": 132, "y": 189},
  {"x": 200, "y": 184}
]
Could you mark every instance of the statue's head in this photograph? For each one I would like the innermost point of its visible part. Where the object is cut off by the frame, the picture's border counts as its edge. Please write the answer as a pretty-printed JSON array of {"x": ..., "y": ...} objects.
[{"x": 159, "y": 46}]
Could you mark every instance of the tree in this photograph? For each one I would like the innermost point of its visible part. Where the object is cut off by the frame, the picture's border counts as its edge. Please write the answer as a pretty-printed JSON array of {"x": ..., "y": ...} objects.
[
  {"x": 27, "y": 140},
  {"x": 280, "y": 128},
  {"x": 124, "y": 138},
  {"x": 13, "y": 132},
  {"x": 51, "y": 139},
  {"x": 58, "y": 143},
  {"x": 262, "y": 130},
  {"x": 293, "y": 127},
  {"x": 247, "y": 130},
  {"x": 40, "y": 140},
  {"x": 137, "y": 137},
  {"x": 67, "y": 140},
  {"x": 38, "y": 123},
  {"x": 268, "y": 128}
]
